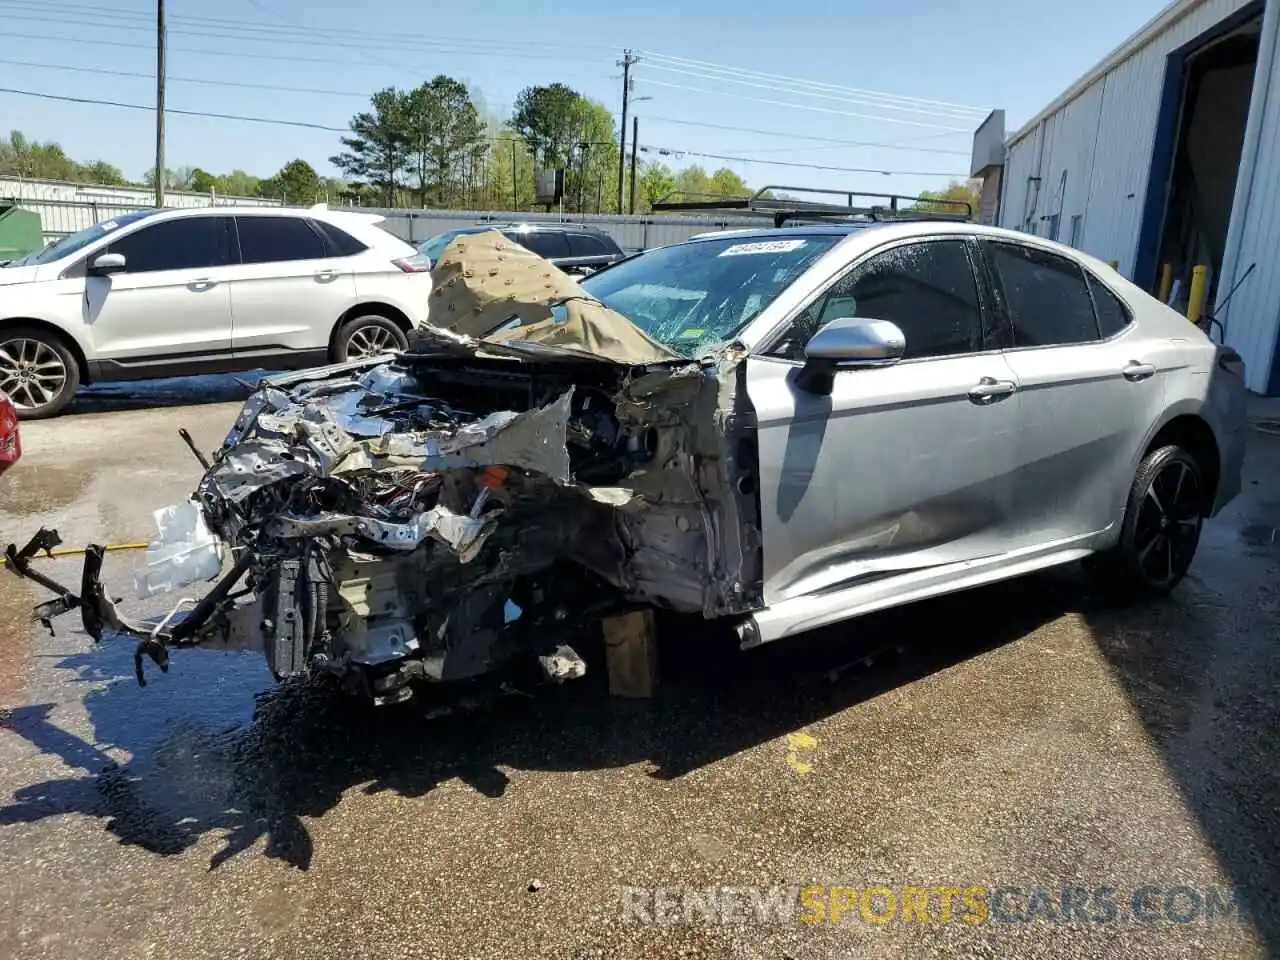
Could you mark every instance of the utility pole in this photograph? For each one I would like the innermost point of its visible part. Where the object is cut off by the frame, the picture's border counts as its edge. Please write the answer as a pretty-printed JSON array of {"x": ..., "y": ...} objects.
[
  {"x": 628, "y": 60},
  {"x": 635, "y": 147},
  {"x": 160, "y": 45}
]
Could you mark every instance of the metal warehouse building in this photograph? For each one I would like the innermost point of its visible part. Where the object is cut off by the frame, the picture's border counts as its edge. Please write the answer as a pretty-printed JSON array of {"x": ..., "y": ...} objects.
[{"x": 1164, "y": 156}]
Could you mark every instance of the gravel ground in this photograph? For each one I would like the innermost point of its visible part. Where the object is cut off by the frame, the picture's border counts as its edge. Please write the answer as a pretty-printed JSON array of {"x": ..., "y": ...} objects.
[{"x": 1020, "y": 739}]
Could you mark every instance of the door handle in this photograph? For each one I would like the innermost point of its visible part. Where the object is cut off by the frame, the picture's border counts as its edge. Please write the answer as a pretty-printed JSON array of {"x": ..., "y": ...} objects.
[
  {"x": 990, "y": 390},
  {"x": 201, "y": 283},
  {"x": 1136, "y": 371},
  {"x": 326, "y": 274}
]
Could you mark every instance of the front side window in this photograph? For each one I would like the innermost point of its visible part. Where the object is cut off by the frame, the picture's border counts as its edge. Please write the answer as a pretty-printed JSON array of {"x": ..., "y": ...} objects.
[
  {"x": 81, "y": 239},
  {"x": 927, "y": 289},
  {"x": 278, "y": 239},
  {"x": 1045, "y": 295},
  {"x": 189, "y": 243}
]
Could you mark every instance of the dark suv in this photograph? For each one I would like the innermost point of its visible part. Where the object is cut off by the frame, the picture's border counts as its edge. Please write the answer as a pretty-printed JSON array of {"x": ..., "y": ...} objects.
[{"x": 572, "y": 247}]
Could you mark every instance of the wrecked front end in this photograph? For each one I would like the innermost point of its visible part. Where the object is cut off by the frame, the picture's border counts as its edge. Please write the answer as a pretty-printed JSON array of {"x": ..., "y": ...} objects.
[{"x": 466, "y": 504}]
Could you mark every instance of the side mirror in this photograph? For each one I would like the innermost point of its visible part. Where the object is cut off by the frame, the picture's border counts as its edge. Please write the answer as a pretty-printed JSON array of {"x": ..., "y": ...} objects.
[
  {"x": 107, "y": 264},
  {"x": 849, "y": 343}
]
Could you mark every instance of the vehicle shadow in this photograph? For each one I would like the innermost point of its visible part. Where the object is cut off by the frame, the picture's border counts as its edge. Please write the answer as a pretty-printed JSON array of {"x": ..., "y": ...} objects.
[
  {"x": 304, "y": 744},
  {"x": 1201, "y": 672},
  {"x": 164, "y": 392}
]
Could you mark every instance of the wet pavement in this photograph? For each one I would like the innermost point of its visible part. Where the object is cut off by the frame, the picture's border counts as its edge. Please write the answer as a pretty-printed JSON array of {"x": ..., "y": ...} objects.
[{"x": 1024, "y": 738}]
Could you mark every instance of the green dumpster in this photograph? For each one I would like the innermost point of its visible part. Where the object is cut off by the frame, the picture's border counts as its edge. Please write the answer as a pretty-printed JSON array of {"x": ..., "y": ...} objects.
[{"x": 20, "y": 232}]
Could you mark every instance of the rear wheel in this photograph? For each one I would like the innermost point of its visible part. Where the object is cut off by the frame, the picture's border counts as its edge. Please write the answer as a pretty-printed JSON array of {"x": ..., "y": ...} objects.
[
  {"x": 368, "y": 336},
  {"x": 1161, "y": 528},
  {"x": 37, "y": 371}
]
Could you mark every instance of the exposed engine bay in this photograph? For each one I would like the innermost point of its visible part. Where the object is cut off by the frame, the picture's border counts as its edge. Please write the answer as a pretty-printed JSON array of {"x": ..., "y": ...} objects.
[{"x": 432, "y": 516}]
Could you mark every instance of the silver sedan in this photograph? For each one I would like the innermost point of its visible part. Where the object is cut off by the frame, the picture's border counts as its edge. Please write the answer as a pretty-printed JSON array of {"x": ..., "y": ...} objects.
[{"x": 941, "y": 405}]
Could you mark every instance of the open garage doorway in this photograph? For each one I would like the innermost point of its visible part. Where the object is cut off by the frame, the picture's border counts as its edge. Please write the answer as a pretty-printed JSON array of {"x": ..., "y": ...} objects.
[{"x": 1197, "y": 157}]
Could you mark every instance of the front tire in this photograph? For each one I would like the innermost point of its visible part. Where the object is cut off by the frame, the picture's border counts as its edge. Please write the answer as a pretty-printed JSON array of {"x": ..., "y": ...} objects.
[
  {"x": 37, "y": 371},
  {"x": 1161, "y": 529},
  {"x": 367, "y": 336}
]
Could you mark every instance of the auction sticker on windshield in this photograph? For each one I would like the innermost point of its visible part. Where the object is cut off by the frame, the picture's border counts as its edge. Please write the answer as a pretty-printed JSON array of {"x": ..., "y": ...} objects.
[{"x": 761, "y": 246}]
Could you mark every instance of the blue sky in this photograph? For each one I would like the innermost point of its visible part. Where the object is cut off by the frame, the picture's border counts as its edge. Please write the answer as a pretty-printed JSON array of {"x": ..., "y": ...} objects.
[{"x": 916, "y": 74}]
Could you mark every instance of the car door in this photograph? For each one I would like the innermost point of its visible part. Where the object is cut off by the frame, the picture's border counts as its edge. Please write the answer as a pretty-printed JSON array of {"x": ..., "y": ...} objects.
[
  {"x": 290, "y": 288},
  {"x": 901, "y": 467},
  {"x": 1090, "y": 390},
  {"x": 171, "y": 300}
]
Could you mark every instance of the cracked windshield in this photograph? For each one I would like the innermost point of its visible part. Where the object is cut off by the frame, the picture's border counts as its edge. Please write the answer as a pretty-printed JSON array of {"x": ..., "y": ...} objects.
[{"x": 513, "y": 481}]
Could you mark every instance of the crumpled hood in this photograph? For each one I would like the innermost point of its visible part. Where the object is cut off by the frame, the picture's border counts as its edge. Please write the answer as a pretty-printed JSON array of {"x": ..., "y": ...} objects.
[
  {"x": 13, "y": 275},
  {"x": 483, "y": 280}
]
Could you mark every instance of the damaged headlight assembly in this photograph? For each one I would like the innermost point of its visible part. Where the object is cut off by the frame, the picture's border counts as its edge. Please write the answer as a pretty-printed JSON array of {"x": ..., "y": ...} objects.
[{"x": 434, "y": 516}]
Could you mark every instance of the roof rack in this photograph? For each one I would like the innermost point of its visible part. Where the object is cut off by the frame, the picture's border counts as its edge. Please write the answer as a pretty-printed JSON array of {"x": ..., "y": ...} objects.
[{"x": 783, "y": 210}]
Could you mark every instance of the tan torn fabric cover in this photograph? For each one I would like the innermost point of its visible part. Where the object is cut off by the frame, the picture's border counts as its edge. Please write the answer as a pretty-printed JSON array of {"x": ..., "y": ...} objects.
[{"x": 483, "y": 279}]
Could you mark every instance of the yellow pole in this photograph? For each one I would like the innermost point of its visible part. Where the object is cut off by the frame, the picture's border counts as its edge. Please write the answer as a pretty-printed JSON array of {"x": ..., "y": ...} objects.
[
  {"x": 1166, "y": 283},
  {"x": 1199, "y": 287}
]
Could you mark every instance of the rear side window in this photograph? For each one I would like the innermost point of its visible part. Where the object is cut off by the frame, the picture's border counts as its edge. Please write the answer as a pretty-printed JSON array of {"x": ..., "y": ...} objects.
[
  {"x": 342, "y": 243},
  {"x": 277, "y": 239},
  {"x": 927, "y": 289},
  {"x": 545, "y": 243},
  {"x": 1113, "y": 315},
  {"x": 589, "y": 245},
  {"x": 189, "y": 243},
  {"x": 1046, "y": 296}
]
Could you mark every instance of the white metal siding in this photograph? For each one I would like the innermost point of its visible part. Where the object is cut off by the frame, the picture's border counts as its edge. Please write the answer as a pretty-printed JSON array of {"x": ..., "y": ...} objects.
[
  {"x": 1253, "y": 315},
  {"x": 1103, "y": 138}
]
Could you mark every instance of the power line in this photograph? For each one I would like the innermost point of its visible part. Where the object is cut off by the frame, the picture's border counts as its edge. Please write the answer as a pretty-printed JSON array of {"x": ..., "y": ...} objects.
[
  {"x": 805, "y": 106},
  {"x": 236, "y": 116},
  {"x": 757, "y": 74},
  {"x": 898, "y": 145},
  {"x": 805, "y": 166},
  {"x": 76, "y": 11},
  {"x": 172, "y": 79},
  {"x": 237, "y": 54},
  {"x": 945, "y": 112},
  {"x": 256, "y": 36},
  {"x": 150, "y": 108}
]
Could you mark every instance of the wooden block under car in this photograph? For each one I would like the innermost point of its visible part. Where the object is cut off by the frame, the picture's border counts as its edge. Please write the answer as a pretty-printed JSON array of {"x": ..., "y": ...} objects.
[{"x": 631, "y": 651}]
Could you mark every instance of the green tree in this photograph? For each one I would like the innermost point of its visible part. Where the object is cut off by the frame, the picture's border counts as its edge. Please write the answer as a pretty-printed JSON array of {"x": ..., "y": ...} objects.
[
  {"x": 237, "y": 183},
  {"x": 448, "y": 139},
  {"x": 378, "y": 148},
  {"x": 566, "y": 130},
  {"x": 296, "y": 182},
  {"x": 30, "y": 158},
  {"x": 655, "y": 182},
  {"x": 548, "y": 118},
  {"x": 204, "y": 182},
  {"x": 100, "y": 172},
  {"x": 969, "y": 191}
]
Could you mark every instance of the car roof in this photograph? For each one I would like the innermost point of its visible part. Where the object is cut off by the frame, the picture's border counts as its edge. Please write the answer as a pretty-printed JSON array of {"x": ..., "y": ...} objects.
[
  {"x": 775, "y": 233},
  {"x": 534, "y": 226},
  {"x": 873, "y": 233}
]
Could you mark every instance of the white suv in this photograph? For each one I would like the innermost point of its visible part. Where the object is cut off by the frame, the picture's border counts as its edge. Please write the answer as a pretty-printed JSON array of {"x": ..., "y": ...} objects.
[{"x": 162, "y": 293}]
